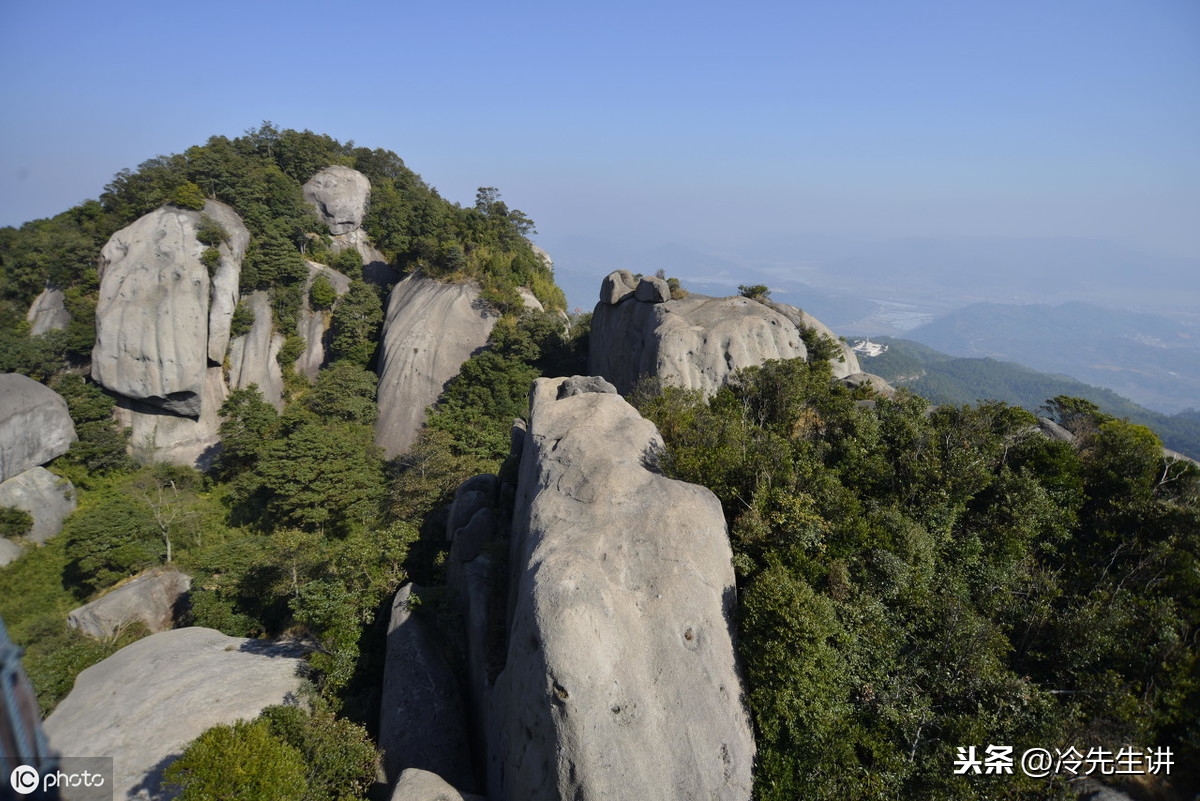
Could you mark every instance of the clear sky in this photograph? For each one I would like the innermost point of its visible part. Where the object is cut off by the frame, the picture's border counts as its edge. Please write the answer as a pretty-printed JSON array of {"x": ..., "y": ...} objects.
[{"x": 716, "y": 123}]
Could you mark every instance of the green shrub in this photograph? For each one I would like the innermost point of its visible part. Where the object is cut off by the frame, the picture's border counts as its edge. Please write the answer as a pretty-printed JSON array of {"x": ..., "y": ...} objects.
[
  {"x": 754, "y": 290},
  {"x": 243, "y": 761},
  {"x": 14, "y": 522},
  {"x": 243, "y": 319},
  {"x": 210, "y": 232},
  {"x": 348, "y": 263},
  {"x": 322, "y": 295},
  {"x": 210, "y": 258},
  {"x": 187, "y": 196},
  {"x": 293, "y": 346}
]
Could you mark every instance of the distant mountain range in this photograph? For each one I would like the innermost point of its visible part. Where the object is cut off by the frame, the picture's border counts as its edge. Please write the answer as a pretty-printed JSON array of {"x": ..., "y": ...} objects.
[
  {"x": 943, "y": 378},
  {"x": 1153, "y": 359}
]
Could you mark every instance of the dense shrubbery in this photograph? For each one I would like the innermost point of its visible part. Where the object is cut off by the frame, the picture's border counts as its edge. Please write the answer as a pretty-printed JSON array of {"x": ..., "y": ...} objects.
[{"x": 913, "y": 580}]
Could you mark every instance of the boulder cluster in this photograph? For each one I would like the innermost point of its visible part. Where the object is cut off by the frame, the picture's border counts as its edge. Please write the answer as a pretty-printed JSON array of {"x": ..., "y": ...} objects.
[
  {"x": 35, "y": 427},
  {"x": 596, "y": 596}
]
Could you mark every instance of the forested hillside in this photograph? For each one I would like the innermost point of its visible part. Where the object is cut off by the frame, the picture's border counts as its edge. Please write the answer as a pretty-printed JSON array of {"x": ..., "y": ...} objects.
[
  {"x": 942, "y": 378},
  {"x": 907, "y": 579}
]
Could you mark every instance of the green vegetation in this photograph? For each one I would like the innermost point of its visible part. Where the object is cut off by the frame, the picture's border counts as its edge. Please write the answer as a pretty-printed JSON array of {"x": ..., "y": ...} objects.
[
  {"x": 287, "y": 753},
  {"x": 948, "y": 379},
  {"x": 917, "y": 579},
  {"x": 911, "y": 579},
  {"x": 754, "y": 290},
  {"x": 321, "y": 295},
  {"x": 14, "y": 522}
]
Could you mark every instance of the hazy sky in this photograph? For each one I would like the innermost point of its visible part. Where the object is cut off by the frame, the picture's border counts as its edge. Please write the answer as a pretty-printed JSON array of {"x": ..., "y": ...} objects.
[{"x": 716, "y": 123}]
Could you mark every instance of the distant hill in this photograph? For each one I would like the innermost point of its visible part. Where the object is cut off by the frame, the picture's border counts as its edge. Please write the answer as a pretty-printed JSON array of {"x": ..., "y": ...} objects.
[
  {"x": 943, "y": 378},
  {"x": 1150, "y": 358}
]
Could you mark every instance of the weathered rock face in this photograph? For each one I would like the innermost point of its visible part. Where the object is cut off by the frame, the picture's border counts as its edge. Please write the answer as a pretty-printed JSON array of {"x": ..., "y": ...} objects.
[
  {"x": 47, "y": 498},
  {"x": 430, "y": 329},
  {"x": 340, "y": 196},
  {"x": 225, "y": 278},
  {"x": 314, "y": 323},
  {"x": 849, "y": 362},
  {"x": 146, "y": 702},
  {"x": 48, "y": 312},
  {"x": 617, "y": 286},
  {"x": 252, "y": 355},
  {"x": 694, "y": 343},
  {"x": 421, "y": 785},
  {"x": 422, "y": 723},
  {"x": 152, "y": 597},
  {"x": 160, "y": 319},
  {"x": 877, "y": 384},
  {"x": 158, "y": 436},
  {"x": 620, "y": 679},
  {"x": 35, "y": 425}
]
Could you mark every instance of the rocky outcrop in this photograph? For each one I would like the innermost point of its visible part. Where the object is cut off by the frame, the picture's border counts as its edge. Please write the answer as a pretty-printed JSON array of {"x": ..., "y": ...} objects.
[
  {"x": 46, "y": 497},
  {"x": 314, "y": 323},
  {"x": 35, "y": 425},
  {"x": 48, "y": 312},
  {"x": 157, "y": 436},
  {"x": 252, "y": 355},
  {"x": 226, "y": 278},
  {"x": 653, "y": 289},
  {"x": 431, "y": 328},
  {"x": 878, "y": 384},
  {"x": 694, "y": 343},
  {"x": 153, "y": 597},
  {"x": 146, "y": 702},
  {"x": 422, "y": 723},
  {"x": 620, "y": 679},
  {"x": 848, "y": 364},
  {"x": 421, "y": 785},
  {"x": 617, "y": 286},
  {"x": 160, "y": 318},
  {"x": 339, "y": 194}
]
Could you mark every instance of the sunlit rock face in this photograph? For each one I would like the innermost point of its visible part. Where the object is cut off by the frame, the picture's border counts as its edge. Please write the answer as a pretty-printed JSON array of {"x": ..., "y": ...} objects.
[{"x": 620, "y": 678}]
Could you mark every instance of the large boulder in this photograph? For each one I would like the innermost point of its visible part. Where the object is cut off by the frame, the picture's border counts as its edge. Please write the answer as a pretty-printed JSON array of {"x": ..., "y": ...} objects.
[
  {"x": 847, "y": 364},
  {"x": 431, "y": 328},
  {"x": 339, "y": 194},
  {"x": 422, "y": 723},
  {"x": 158, "y": 436},
  {"x": 252, "y": 355},
  {"x": 46, "y": 497},
  {"x": 314, "y": 323},
  {"x": 48, "y": 312},
  {"x": 153, "y": 597},
  {"x": 146, "y": 702},
  {"x": 35, "y": 425},
  {"x": 621, "y": 677},
  {"x": 694, "y": 343},
  {"x": 421, "y": 785},
  {"x": 156, "y": 331}
]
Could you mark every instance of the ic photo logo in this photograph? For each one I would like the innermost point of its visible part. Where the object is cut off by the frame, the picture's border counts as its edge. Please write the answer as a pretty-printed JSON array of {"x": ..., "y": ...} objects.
[{"x": 24, "y": 779}]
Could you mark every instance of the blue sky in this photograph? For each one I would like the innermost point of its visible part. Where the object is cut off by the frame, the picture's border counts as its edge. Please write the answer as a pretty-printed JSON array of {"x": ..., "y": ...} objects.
[{"x": 704, "y": 123}]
